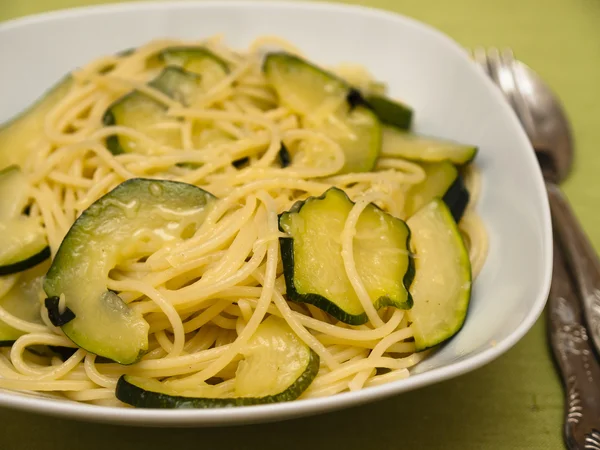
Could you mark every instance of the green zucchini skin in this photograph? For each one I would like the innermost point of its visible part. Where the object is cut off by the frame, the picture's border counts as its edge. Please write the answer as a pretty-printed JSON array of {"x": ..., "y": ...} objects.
[
  {"x": 387, "y": 111},
  {"x": 176, "y": 82},
  {"x": 287, "y": 254},
  {"x": 292, "y": 63},
  {"x": 277, "y": 366},
  {"x": 101, "y": 236},
  {"x": 439, "y": 177},
  {"x": 131, "y": 394},
  {"x": 112, "y": 142},
  {"x": 118, "y": 145},
  {"x": 65, "y": 353},
  {"x": 397, "y": 143},
  {"x": 321, "y": 302},
  {"x": 27, "y": 263},
  {"x": 173, "y": 81},
  {"x": 239, "y": 163},
  {"x": 284, "y": 156},
  {"x": 440, "y": 309},
  {"x": 23, "y": 240},
  {"x": 457, "y": 198},
  {"x": 391, "y": 112},
  {"x": 21, "y": 300},
  {"x": 181, "y": 79},
  {"x": 183, "y": 56},
  {"x": 304, "y": 88},
  {"x": 28, "y": 125},
  {"x": 55, "y": 316}
]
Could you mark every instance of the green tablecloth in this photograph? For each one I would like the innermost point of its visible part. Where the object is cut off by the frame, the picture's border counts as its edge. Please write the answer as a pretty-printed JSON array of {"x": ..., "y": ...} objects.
[{"x": 514, "y": 402}]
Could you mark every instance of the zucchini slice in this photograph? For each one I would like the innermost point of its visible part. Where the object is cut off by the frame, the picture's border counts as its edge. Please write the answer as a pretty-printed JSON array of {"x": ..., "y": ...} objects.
[
  {"x": 391, "y": 112},
  {"x": 23, "y": 241},
  {"x": 277, "y": 367},
  {"x": 303, "y": 87},
  {"x": 284, "y": 157},
  {"x": 321, "y": 98},
  {"x": 313, "y": 267},
  {"x": 397, "y": 143},
  {"x": 457, "y": 198},
  {"x": 133, "y": 220},
  {"x": 441, "y": 289},
  {"x": 207, "y": 137},
  {"x": 179, "y": 84},
  {"x": 23, "y": 301},
  {"x": 189, "y": 74},
  {"x": 439, "y": 177},
  {"x": 19, "y": 135},
  {"x": 442, "y": 180},
  {"x": 141, "y": 112},
  {"x": 197, "y": 60},
  {"x": 387, "y": 111}
]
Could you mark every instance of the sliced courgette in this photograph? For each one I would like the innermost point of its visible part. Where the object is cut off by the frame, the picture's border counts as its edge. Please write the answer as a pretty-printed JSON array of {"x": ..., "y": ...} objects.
[
  {"x": 20, "y": 134},
  {"x": 189, "y": 74},
  {"x": 387, "y": 111},
  {"x": 457, "y": 198},
  {"x": 198, "y": 60},
  {"x": 23, "y": 302},
  {"x": 321, "y": 98},
  {"x": 23, "y": 241},
  {"x": 142, "y": 113},
  {"x": 397, "y": 143},
  {"x": 391, "y": 112},
  {"x": 441, "y": 289},
  {"x": 439, "y": 177},
  {"x": 209, "y": 137},
  {"x": 179, "y": 84},
  {"x": 133, "y": 220},
  {"x": 241, "y": 163},
  {"x": 277, "y": 367},
  {"x": 145, "y": 114},
  {"x": 285, "y": 159},
  {"x": 302, "y": 86},
  {"x": 313, "y": 266}
]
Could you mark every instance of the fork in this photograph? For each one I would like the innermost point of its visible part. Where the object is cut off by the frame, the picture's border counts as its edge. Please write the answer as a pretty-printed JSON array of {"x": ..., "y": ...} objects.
[{"x": 546, "y": 125}]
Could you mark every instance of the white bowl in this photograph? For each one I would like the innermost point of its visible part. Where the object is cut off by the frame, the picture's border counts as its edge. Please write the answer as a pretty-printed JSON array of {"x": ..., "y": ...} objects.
[{"x": 451, "y": 97}]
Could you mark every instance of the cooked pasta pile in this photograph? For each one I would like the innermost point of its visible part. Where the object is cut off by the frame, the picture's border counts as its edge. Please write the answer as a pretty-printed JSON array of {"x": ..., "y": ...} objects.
[{"x": 204, "y": 296}]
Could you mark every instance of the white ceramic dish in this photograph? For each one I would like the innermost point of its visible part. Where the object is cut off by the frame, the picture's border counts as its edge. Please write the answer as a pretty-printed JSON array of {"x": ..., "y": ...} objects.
[{"x": 451, "y": 98}]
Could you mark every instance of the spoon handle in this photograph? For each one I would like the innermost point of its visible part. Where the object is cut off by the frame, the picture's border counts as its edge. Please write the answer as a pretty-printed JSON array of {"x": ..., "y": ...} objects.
[
  {"x": 579, "y": 370},
  {"x": 582, "y": 258}
]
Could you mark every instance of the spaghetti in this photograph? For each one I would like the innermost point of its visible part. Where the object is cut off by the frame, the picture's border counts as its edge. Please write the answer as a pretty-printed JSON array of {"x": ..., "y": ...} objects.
[{"x": 204, "y": 297}]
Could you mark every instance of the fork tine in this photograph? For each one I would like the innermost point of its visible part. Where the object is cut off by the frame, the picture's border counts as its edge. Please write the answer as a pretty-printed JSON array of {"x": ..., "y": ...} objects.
[
  {"x": 507, "y": 79},
  {"x": 495, "y": 66},
  {"x": 480, "y": 57},
  {"x": 503, "y": 70},
  {"x": 517, "y": 99}
]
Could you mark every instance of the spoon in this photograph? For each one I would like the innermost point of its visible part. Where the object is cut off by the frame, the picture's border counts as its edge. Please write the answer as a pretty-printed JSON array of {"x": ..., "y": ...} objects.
[{"x": 548, "y": 129}]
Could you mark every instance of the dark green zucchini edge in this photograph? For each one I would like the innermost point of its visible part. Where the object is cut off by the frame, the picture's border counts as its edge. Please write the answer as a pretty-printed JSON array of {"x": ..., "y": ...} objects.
[
  {"x": 140, "y": 398},
  {"x": 287, "y": 254},
  {"x": 26, "y": 263},
  {"x": 55, "y": 316},
  {"x": 108, "y": 120},
  {"x": 284, "y": 156},
  {"x": 387, "y": 111},
  {"x": 457, "y": 198}
]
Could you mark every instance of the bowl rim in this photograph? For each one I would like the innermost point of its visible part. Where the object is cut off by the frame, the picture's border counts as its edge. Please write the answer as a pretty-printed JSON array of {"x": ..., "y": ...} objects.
[{"x": 287, "y": 410}]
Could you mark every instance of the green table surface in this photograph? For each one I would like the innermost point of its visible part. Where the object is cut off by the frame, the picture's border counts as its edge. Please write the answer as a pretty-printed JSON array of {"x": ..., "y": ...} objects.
[{"x": 513, "y": 403}]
